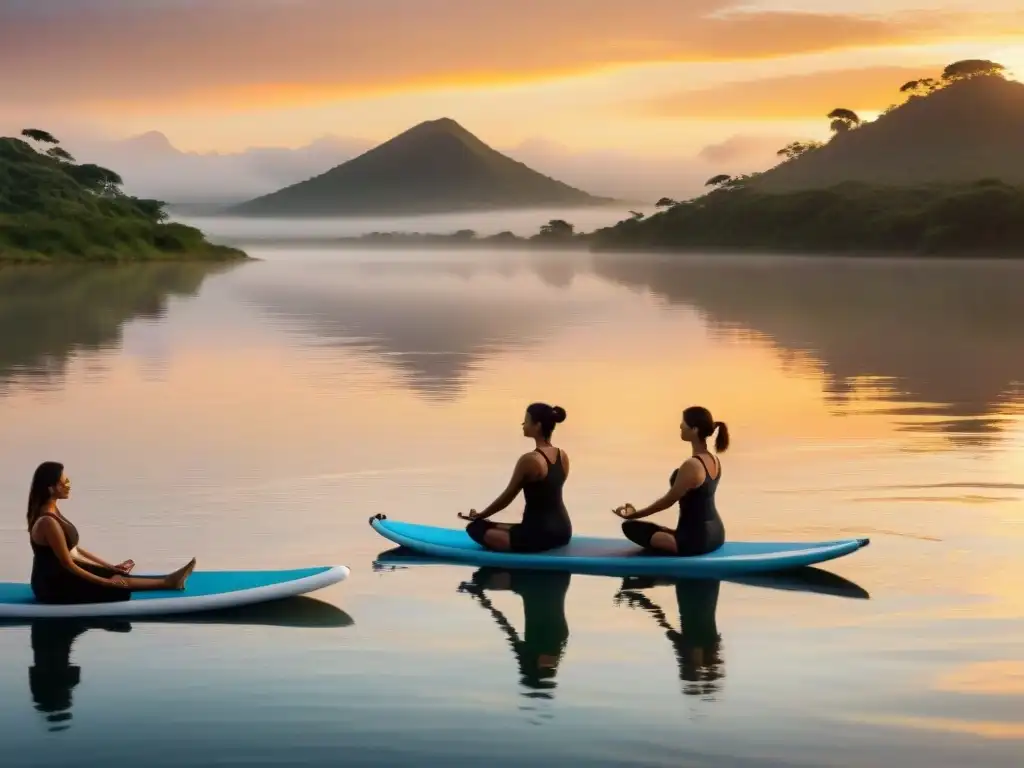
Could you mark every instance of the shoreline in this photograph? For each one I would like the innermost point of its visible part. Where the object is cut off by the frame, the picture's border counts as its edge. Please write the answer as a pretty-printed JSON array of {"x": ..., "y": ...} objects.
[
  {"x": 384, "y": 244},
  {"x": 446, "y": 242},
  {"x": 230, "y": 255}
]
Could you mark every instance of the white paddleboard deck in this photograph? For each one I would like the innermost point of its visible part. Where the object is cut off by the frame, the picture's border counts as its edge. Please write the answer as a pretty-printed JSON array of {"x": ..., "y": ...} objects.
[{"x": 204, "y": 591}]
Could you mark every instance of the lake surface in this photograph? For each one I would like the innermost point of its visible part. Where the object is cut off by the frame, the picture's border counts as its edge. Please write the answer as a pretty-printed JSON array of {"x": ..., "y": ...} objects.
[{"x": 257, "y": 416}]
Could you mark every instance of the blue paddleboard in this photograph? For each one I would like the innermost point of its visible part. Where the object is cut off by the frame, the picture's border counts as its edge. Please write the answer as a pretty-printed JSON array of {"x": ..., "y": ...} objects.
[
  {"x": 621, "y": 557},
  {"x": 805, "y": 579},
  {"x": 204, "y": 591}
]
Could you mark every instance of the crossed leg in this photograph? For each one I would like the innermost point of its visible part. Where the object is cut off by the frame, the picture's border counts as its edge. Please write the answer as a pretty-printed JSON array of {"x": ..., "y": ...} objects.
[
  {"x": 496, "y": 536},
  {"x": 651, "y": 536}
]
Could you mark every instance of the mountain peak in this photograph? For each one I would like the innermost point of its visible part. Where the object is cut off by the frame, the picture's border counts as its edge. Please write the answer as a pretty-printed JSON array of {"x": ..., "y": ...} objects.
[
  {"x": 435, "y": 166},
  {"x": 444, "y": 122},
  {"x": 152, "y": 141},
  {"x": 441, "y": 128}
]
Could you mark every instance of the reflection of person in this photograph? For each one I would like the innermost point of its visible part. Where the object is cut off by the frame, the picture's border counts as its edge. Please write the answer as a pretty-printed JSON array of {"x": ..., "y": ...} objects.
[
  {"x": 697, "y": 644},
  {"x": 540, "y": 474},
  {"x": 63, "y": 572},
  {"x": 52, "y": 676},
  {"x": 546, "y": 634},
  {"x": 700, "y": 529}
]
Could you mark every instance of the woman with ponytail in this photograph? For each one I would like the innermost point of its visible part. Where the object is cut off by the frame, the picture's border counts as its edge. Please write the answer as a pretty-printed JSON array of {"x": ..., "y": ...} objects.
[
  {"x": 540, "y": 475},
  {"x": 700, "y": 529}
]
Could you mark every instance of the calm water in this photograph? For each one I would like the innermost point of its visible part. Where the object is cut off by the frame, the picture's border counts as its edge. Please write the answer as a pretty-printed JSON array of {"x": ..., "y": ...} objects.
[{"x": 257, "y": 416}]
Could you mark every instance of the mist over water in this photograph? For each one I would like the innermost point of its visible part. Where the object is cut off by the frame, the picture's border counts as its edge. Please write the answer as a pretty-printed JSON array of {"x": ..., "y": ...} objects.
[{"x": 520, "y": 222}]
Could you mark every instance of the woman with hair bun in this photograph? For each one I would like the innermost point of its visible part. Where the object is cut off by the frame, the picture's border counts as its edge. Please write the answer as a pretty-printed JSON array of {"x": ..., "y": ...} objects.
[
  {"x": 700, "y": 529},
  {"x": 540, "y": 475}
]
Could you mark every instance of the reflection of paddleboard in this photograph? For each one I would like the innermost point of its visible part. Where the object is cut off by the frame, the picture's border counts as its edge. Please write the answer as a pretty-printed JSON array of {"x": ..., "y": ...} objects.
[
  {"x": 617, "y": 556},
  {"x": 293, "y": 612},
  {"x": 806, "y": 579},
  {"x": 205, "y": 591}
]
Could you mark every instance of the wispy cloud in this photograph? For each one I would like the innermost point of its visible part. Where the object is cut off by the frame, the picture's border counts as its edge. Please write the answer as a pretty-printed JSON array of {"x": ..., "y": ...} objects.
[
  {"x": 812, "y": 95},
  {"x": 234, "y": 52}
]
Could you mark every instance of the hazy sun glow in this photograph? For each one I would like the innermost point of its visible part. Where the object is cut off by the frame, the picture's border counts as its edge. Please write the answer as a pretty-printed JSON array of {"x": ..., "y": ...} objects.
[{"x": 641, "y": 81}]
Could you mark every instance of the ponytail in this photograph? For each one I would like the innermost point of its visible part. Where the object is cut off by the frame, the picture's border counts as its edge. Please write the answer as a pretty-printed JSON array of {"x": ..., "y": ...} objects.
[
  {"x": 35, "y": 506},
  {"x": 722, "y": 438}
]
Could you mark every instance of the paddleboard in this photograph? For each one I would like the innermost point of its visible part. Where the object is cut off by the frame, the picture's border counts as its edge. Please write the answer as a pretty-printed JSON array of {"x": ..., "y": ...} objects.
[
  {"x": 620, "y": 557},
  {"x": 204, "y": 591},
  {"x": 805, "y": 579}
]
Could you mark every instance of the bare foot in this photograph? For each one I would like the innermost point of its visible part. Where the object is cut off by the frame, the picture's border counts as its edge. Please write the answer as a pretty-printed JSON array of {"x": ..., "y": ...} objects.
[{"x": 177, "y": 579}]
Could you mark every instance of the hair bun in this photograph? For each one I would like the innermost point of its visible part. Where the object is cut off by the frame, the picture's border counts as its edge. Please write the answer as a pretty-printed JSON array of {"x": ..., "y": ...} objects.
[{"x": 559, "y": 413}]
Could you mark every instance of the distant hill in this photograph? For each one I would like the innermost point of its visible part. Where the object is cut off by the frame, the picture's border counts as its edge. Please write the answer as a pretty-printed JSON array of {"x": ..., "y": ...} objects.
[
  {"x": 54, "y": 209},
  {"x": 198, "y": 183},
  {"x": 434, "y": 167},
  {"x": 968, "y": 130},
  {"x": 152, "y": 166},
  {"x": 943, "y": 173}
]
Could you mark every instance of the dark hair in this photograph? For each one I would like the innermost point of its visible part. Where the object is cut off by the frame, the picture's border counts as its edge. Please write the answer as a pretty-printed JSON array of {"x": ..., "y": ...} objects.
[
  {"x": 547, "y": 416},
  {"x": 46, "y": 476},
  {"x": 699, "y": 418}
]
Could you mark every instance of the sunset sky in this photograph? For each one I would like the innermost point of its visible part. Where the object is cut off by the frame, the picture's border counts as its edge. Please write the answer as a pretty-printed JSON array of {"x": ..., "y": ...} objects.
[{"x": 649, "y": 76}]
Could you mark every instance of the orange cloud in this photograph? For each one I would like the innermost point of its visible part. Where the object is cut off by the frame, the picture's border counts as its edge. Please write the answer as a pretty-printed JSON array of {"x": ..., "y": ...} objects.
[
  {"x": 230, "y": 53},
  {"x": 793, "y": 96}
]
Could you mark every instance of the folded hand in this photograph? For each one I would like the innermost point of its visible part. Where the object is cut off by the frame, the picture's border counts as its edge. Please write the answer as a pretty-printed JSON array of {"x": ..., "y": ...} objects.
[{"x": 626, "y": 511}]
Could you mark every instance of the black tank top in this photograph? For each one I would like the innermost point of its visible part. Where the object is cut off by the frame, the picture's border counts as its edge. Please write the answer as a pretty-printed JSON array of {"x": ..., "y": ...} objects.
[
  {"x": 697, "y": 506},
  {"x": 48, "y": 574},
  {"x": 544, "y": 506}
]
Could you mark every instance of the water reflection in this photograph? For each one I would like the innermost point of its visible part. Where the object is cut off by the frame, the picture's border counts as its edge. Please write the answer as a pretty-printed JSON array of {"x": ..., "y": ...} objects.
[
  {"x": 539, "y": 650},
  {"x": 48, "y": 315},
  {"x": 421, "y": 317},
  {"x": 937, "y": 344},
  {"x": 52, "y": 677},
  {"x": 557, "y": 269},
  {"x": 808, "y": 579},
  {"x": 697, "y": 643}
]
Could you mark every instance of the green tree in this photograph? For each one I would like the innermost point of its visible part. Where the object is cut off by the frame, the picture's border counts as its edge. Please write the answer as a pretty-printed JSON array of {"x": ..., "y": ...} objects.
[
  {"x": 557, "y": 229},
  {"x": 923, "y": 86},
  {"x": 666, "y": 202},
  {"x": 43, "y": 137},
  {"x": 843, "y": 120},
  {"x": 719, "y": 180},
  {"x": 795, "y": 149},
  {"x": 97, "y": 179},
  {"x": 151, "y": 209},
  {"x": 59, "y": 153},
  {"x": 968, "y": 68}
]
